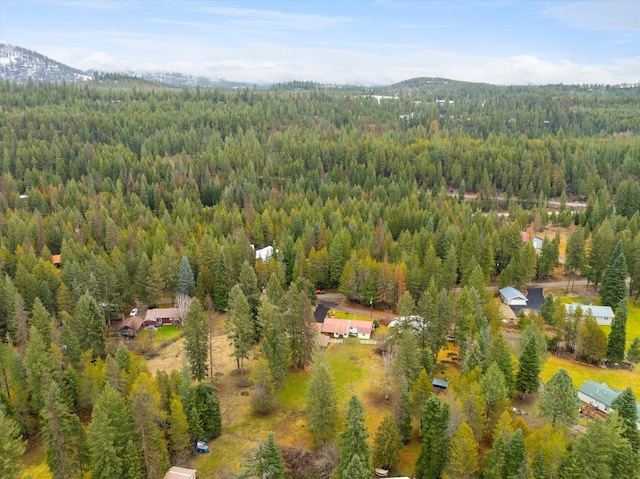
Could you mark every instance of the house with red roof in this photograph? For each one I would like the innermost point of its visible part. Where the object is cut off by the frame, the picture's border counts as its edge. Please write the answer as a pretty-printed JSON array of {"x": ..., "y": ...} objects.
[{"x": 343, "y": 328}]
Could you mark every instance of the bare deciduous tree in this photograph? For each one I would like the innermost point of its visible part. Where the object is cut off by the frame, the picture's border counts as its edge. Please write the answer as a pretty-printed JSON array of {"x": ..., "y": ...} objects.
[{"x": 182, "y": 303}]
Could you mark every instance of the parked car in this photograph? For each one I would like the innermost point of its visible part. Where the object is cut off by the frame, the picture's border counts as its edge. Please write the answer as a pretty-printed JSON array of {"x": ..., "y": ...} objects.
[
  {"x": 133, "y": 312},
  {"x": 201, "y": 446},
  {"x": 319, "y": 291}
]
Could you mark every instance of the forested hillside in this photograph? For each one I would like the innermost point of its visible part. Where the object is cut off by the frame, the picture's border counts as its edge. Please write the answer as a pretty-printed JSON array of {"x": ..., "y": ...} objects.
[{"x": 373, "y": 193}]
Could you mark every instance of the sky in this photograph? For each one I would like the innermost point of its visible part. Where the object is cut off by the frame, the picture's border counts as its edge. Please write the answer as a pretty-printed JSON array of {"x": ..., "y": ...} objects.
[{"x": 337, "y": 42}]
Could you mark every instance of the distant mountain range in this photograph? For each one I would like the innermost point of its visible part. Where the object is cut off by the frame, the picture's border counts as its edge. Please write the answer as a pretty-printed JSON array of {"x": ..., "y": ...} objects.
[{"x": 18, "y": 65}]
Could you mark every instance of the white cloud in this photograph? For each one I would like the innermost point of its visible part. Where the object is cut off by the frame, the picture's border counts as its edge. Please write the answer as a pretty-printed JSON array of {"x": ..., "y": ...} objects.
[
  {"x": 275, "y": 19},
  {"x": 597, "y": 15},
  {"x": 334, "y": 65}
]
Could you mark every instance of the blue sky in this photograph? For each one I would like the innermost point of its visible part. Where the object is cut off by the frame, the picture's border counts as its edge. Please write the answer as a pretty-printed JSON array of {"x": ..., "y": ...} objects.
[{"x": 363, "y": 42}]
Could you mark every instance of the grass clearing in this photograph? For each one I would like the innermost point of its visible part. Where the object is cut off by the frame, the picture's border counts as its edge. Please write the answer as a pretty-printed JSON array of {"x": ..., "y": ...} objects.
[
  {"x": 633, "y": 318},
  {"x": 344, "y": 315},
  {"x": 579, "y": 372},
  {"x": 165, "y": 333},
  {"x": 33, "y": 460}
]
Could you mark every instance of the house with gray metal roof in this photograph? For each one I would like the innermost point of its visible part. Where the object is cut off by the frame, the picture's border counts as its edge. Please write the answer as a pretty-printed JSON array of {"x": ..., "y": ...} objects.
[
  {"x": 602, "y": 314},
  {"x": 600, "y": 396},
  {"x": 512, "y": 297}
]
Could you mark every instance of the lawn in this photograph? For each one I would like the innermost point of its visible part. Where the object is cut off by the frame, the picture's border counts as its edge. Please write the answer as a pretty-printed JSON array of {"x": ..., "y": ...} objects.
[
  {"x": 620, "y": 379},
  {"x": 344, "y": 315},
  {"x": 633, "y": 318},
  {"x": 165, "y": 333}
]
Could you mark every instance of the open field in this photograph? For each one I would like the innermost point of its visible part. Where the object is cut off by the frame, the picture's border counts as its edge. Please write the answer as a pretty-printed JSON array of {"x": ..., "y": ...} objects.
[
  {"x": 633, "y": 318},
  {"x": 357, "y": 369},
  {"x": 580, "y": 372}
]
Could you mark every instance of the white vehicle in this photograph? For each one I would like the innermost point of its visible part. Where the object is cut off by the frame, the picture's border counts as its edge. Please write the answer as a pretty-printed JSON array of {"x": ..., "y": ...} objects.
[{"x": 133, "y": 312}]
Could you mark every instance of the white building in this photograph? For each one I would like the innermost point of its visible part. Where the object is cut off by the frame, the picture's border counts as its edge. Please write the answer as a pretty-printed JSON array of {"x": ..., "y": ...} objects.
[
  {"x": 602, "y": 314},
  {"x": 512, "y": 297},
  {"x": 264, "y": 254}
]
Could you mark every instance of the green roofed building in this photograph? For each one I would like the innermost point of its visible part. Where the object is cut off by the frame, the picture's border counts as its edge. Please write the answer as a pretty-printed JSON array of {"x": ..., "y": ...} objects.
[{"x": 600, "y": 396}]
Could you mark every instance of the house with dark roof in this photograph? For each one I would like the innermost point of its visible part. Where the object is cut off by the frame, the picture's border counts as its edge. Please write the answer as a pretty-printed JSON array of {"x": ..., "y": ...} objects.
[
  {"x": 130, "y": 327},
  {"x": 512, "y": 297}
]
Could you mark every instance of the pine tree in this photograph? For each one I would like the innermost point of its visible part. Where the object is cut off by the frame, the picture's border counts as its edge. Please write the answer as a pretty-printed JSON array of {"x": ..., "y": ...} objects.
[
  {"x": 626, "y": 407},
  {"x": 265, "y": 462},
  {"x": 527, "y": 380},
  {"x": 263, "y": 397},
  {"x": 141, "y": 280},
  {"x": 575, "y": 254},
  {"x": 614, "y": 283},
  {"x": 354, "y": 442},
  {"x": 300, "y": 324},
  {"x": 493, "y": 386},
  {"x": 41, "y": 320},
  {"x": 602, "y": 452},
  {"x": 11, "y": 447},
  {"x": 64, "y": 437},
  {"x": 420, "y": 392},
  {"x": 407, "y": 360},
  {"x": 434, "y": 439},
  {"x": 204, "y": 399},
  {"x": 322, "y": 412},
  {"x": 196, "y": 332},
  {"x": 514, "y": 455},
  {"x": 40, "y": 368},
  {"x": 386, "y": 444},
  {"x": 221, "y": 284},
  {"x": 186, "y": 283},
  {"x": 495, "y": 459},
  {"x": 406, "y": 306},
  {"x": 110, "y": 431},
  {"x": 144, "y": 399},
  {"x": 178, "y": 432},
  {"x": 633, "y": 353},
  {"x": 463, "y": 460},
  {"x": 90, "y": 325},
  {"x": 558, "y": 401},
  {"x": 618, "y": 334},
  {"x": 357, "y": 468},
  {"x": 248, "y": 282},
  {"x": 238, "y": 326},
  {"x": 274, "y": 340},
  {"x": 402, "y": 410}
]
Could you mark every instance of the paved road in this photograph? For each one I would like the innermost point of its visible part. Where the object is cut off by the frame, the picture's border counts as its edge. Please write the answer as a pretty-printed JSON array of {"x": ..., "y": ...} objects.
[{"x": 335, "y": 300}]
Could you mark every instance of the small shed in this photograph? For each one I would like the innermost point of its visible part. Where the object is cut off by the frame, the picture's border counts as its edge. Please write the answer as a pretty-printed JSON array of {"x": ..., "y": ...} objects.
[
  {"x": 180, "y": 473},
  {"x": 440, "y": 383},
  {"x": 537, "y": 242},
  {"x": 512, "y": 297},
  {"x": 602, "y": 314}
]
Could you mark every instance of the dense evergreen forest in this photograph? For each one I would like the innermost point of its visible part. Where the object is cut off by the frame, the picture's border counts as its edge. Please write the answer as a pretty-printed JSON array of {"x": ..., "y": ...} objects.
[{"x": 393, "y": 197}]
